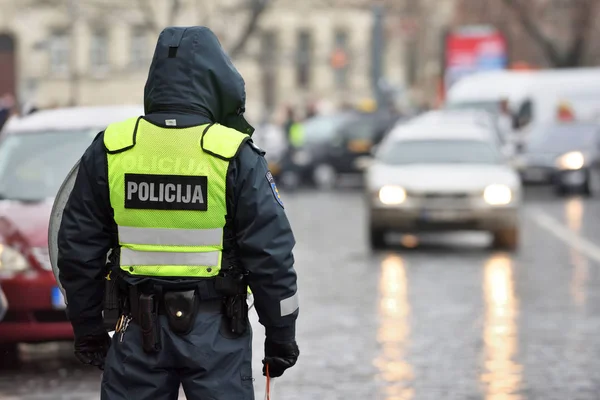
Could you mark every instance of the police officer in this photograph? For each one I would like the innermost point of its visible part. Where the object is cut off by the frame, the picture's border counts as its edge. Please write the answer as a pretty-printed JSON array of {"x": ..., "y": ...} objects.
[{"x": 183, "y": 202}]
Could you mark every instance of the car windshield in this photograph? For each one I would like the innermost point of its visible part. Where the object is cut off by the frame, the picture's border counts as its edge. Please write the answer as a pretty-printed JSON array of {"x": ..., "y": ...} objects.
[
  {"x": 489, "y": 105},
  {"x": 322, "y": 129},
  {"x": 34, "y": 165},
  {"x": 565, "y": 138},
  {"x": 438, "y": 152}
]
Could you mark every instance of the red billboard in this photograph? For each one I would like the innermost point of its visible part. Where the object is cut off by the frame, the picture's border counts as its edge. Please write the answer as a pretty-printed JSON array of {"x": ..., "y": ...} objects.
[{"x": 472, "y": 49}]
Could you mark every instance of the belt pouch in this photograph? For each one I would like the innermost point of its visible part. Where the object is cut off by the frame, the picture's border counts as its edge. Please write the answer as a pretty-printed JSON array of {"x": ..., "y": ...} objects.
[
  {"x": 181, "y": 309},
  {"x": 149, "y": 323}
]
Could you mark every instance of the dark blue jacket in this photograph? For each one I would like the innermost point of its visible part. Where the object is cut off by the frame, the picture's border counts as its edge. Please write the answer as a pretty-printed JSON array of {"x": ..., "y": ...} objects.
[{"x": 191, "y": 80}]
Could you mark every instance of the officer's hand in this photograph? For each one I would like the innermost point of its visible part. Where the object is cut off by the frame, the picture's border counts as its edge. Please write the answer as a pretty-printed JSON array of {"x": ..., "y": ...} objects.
[
  {"x": 92, "y": 349},
  {"x": 279, "y": 357}
]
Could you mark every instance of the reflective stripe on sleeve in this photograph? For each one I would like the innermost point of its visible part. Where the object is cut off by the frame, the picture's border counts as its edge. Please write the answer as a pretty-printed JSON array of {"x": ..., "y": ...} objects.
[
  {"x": 132, "y": 258},
  {"x": 170, "y": 237},
  {"x": 289, "y": 306}
]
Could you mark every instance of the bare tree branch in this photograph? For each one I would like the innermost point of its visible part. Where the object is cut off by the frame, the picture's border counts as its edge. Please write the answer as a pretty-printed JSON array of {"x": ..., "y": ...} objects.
[
  {"x": 257, "y": 8},
  {"x": 581, "y": 14},
  {"x": 535, "y": 32},
  {"x": 582, "y": 25}
]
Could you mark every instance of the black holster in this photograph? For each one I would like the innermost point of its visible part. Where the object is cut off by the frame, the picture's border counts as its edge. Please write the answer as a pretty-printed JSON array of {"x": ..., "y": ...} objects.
[
  {"x": 232, "y": 285},
  {"x": 112, "y": 306},
  {"x": 149, "y": 323}
]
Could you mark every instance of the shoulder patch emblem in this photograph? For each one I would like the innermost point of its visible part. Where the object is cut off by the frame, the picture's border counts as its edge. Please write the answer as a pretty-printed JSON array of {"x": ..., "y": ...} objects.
[{"x": 274, "y": 188}]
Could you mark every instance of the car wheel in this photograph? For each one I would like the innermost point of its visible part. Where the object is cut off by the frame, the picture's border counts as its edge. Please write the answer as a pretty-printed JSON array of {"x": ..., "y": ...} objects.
[
  {"x": 325, "y": 177},
  {"x": 507, "y": 239},
  {"x": 377, "y": 239},
  {"x": 9, "y": 355}
]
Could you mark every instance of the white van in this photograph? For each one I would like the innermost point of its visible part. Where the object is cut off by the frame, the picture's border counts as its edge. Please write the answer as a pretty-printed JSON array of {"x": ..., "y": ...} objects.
[
  {"x": 536, "y": 98},
  {"x": 487, "y": 90}
]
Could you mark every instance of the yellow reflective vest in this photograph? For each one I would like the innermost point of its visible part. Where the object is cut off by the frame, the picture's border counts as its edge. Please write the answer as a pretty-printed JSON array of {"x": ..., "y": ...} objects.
[{"x": 168, "y": 192}]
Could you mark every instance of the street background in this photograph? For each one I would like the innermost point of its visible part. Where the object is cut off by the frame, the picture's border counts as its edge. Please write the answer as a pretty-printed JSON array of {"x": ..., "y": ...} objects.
[
  {"x": 433, "y": 315},
  {"x": 449, "y": 319}
]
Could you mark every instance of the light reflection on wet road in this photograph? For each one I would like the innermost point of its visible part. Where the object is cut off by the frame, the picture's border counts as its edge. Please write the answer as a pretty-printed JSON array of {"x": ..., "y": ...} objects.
[
  {"x": 394, "y": 330},
  {"x": 443, "y": 317},
  {"x": 502, "y": 374}
]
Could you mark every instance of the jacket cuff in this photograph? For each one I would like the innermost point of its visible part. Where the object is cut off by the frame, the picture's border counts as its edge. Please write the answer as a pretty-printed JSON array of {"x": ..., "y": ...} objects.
[
  {"x": 88, "y": 327},
  {"x": 278, "y": 334}
]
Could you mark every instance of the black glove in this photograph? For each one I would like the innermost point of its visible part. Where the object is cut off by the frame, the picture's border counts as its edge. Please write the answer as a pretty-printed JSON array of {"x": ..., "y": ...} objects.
[
  {"x": 279, "y": 357},
  {"x": 92, "y": 349}
]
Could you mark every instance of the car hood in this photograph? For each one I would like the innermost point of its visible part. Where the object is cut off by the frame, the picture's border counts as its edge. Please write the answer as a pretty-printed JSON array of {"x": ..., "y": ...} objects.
[
  {"x": 441, "y": 177},
  {"x": 28, "y": 220}
]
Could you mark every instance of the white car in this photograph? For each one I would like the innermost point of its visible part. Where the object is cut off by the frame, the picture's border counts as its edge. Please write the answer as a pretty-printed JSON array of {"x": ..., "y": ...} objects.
[{"x": 439, "y": 178}]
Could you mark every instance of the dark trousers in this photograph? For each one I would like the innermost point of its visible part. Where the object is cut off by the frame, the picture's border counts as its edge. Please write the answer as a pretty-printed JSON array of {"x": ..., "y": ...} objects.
[{"x": 208, "y": 363}]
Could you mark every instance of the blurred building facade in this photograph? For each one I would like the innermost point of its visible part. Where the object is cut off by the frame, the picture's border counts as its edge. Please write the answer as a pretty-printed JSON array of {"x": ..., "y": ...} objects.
[{"x": 98, "y": 51}]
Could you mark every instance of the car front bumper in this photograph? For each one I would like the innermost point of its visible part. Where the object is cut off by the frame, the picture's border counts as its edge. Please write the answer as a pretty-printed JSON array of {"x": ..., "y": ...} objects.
[
  {"x": 35, "y": 314},
  {"x": 415, "y": 220}
]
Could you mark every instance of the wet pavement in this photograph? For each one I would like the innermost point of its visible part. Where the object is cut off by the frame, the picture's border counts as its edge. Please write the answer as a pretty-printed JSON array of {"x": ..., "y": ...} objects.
[{"x": 447, "y": 318}]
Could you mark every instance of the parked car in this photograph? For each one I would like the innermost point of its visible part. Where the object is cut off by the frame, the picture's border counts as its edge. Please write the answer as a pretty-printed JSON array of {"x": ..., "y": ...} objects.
[
  {"x": 3, "y": 304},
  {"x": 427, "y": 178},
  {"x": 36, "y": 153},
  {"x": 565, "y": 155}
]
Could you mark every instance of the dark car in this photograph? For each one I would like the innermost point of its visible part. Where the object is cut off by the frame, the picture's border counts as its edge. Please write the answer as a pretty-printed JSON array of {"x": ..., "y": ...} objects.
[
  {"x": 318, "y": 132},
  {"x": 352, "y": 142},
  {"x": 565, "y": 155}
]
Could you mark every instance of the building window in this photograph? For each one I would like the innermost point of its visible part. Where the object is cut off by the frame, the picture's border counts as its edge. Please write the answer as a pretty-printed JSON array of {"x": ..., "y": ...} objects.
[
  {"x": 268, "y": 60},
  {"x": 99, "y": 51},
  {"x": 139, "y": 48},
  {"x": 340, "y": 59},
  {"x": 58, "y": 48},
  {"x": 304, "y": 59}
]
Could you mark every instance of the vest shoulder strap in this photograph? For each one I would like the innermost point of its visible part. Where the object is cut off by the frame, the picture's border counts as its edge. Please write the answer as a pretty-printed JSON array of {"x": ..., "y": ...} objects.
[
  {"x": 120, "y": 136},
  {"x": 222, "y": 142}
]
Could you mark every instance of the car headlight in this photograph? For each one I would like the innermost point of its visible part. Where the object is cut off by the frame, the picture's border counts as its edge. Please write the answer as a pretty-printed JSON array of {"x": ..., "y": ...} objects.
[
  {"x": 571, "y": 161},
  {"x": 497, "y": 195},
  {"x": 11, "y": 260},
  {"x": 301, "y": 158},
  {"x": 392, "y": 195}
]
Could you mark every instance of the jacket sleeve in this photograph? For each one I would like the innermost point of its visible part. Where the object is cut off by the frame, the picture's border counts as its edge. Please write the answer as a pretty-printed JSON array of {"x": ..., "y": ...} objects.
[
  {"x": 265, "y": 242},
  {"x": 84, "y": 239}
]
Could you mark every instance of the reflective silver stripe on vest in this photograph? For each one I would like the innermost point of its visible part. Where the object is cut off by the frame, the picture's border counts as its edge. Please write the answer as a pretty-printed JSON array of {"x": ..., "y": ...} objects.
[
  {"x": 132, "y": 258},
  {"x": 170, "y": 237}
]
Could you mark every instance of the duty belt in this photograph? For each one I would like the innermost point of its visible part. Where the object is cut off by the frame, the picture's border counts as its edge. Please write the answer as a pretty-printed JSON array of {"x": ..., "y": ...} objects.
[
  {"x": 213, "y": 304},
  {"x": 179, "y": 306}
]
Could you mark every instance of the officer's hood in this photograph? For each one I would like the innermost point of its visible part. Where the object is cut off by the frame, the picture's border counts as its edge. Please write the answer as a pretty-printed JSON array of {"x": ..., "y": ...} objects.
[{"x": 191, "y": 73}]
